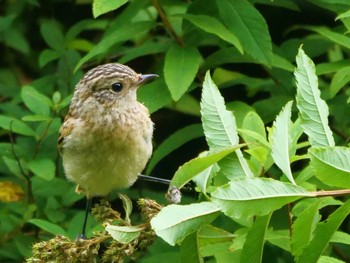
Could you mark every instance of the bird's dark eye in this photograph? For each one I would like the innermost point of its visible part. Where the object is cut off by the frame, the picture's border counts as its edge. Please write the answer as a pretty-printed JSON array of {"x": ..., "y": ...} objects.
[{"x": 117, "y": 87}]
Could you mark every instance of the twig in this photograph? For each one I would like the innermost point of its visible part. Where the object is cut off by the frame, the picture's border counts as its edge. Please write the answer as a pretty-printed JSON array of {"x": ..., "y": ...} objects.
[
  {"x": 331, "y": 193},
  {"x": 167, "y": 23},
  {"x": 26, "y": 176}
]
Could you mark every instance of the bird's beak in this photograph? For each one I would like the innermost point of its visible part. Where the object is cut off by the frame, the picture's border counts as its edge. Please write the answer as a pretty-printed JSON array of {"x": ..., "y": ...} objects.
[{"x": 145, "y": 78}]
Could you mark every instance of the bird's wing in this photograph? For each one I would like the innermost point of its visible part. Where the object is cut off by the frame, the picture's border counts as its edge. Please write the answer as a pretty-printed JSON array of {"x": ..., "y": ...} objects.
[{"x": 65, "y": 130}]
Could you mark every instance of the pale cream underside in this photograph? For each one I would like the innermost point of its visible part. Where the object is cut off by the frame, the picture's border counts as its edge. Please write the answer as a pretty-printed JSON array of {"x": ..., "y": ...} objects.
[{"x": 100, "y": 159}]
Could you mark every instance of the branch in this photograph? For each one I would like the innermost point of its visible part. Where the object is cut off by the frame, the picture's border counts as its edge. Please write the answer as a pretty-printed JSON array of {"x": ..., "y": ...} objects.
[{"x": 167, "y": 23}]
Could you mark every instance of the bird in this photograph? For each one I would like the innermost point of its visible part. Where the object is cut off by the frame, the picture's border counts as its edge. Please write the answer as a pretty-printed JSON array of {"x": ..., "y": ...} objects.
[{"x": 105, "y": 139}]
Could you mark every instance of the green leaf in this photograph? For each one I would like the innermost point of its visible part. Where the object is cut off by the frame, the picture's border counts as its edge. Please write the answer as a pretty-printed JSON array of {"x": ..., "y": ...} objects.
[
  {"x": 35, "y": 101},
  {"x": 6, "y": 22},
  {"x": 173, "y": 142},
  {"x": 189, "y": 249},
  {"x": 147, "y": 48},
  {"x": 219, "y": 124},
  {"x": 36, "y": 118},
  {"x": 313, "y": 111},
  {"x": 180, "y": 69},
  {"x": 15, "y": 39},
  {"x": 187, "y": 104},
  {"x": 124, "y": 234},
  {"x": 303, "y": 228},
  {"x": 193, "y": 167},
  {"x": 334, "y": 37},
  {"x": 52, "y": 34},
  {"x": 331, "y": 165},
  {"x": 212, "y": 25},
  {"x": 326, "y": 259},
  {"x": 245, "y": 197},
  {"x": 174, "y": 222},
  {"x": 127, "y": 205},
  {"x": 280, "y": 139},
  {"x": 343, "y": 15},
  {"x": 154, "y": 95},
  {"x": 213, "y": 240},
  {"x": 279, "y": 238},
  {"x": 47, "y": 56},
  {"x": 253, "y": 246},
  {"x": 323, "y": 234},
  {"x": 100, "y": 7},
  {"x": 339, "y": 80},
  {"x": 16, "y": 126},
  {"x": 202, "y": 179},
  {"x": 44, "y": 168},
  {"x": 249, "y": 26},
  {"x": 48, "y": 226},
  {"x": 121, "y": 34}
]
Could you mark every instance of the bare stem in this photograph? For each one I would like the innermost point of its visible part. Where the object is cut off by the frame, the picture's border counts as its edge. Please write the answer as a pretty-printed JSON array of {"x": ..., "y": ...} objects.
[{"x": 167, "y": 24}]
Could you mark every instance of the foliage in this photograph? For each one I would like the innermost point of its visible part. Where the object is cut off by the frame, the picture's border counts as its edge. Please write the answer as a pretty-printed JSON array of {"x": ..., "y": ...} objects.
[{"x": 271, "y": 166}]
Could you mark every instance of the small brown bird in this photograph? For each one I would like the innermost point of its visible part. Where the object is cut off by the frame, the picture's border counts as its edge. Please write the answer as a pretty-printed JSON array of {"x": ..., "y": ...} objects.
[{"x": 106, "y": 138}]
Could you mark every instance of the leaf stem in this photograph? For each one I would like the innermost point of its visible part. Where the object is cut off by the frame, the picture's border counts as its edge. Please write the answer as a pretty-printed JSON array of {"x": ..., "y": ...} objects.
[
  {"x": 331, "y": 193},
  {"x": 167, "y": 24}
]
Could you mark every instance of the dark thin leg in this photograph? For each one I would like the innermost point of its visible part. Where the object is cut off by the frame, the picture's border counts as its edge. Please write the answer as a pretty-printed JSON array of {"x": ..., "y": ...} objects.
[
  {"x": 148, "y": 178},
  {"x": 87, "y": 210}
]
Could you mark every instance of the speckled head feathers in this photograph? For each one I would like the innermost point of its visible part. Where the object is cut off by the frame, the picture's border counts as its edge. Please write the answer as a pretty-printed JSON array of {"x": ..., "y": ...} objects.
[{"x": 109, "y": 71}]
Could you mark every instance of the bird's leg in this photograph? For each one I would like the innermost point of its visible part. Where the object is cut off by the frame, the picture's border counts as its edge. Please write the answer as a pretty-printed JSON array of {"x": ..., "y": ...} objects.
[
  {"x": 87, "y": 210},
  {"x": 148, "y": 178}
]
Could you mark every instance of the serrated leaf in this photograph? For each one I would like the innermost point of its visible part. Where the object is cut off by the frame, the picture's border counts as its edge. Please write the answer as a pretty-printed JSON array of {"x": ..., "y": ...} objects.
[
  {"x": 124, "y": 234},
  {"x": 35, "y": 101},
  {"x": 16, "y": 126},
  {"x": 322, "y": 235},
  {"x": 245, "y": 21},
  {"x": 281, "y": 141},
  {"x": 193, "y": 167},
  {"x": 219, "y": 124},
  {"x": 100, "y": 7},
  {"x": 253, "y": 246},
  {"x": 313, "y": 111},
  {"x": 246, "y": 197},
  {"x": 174, "y": 222},
  {"x": 331, "y": 165},
  {"x": 214, "y": 26},
  {"x": 184, "y": 62},
  {"x": 48, "y": 226},
  {"x": 173, "y": 142},
  {"x": 44, "y": 168}
]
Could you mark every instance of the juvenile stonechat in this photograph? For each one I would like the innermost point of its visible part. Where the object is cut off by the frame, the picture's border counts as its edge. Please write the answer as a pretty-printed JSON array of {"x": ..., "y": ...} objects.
[{"x": 106, "y": 138}]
